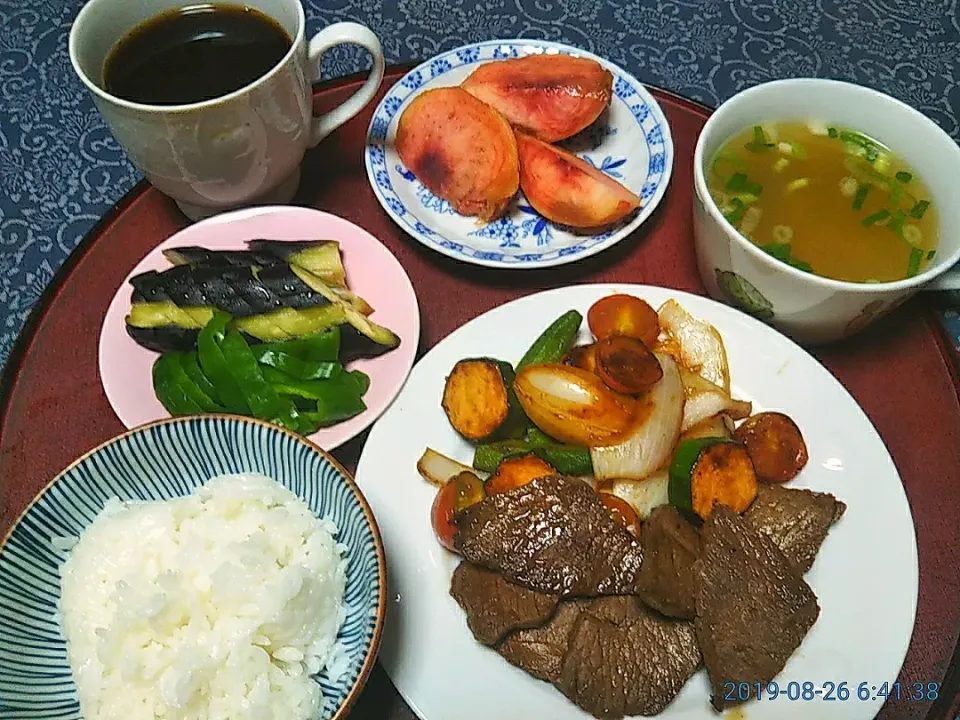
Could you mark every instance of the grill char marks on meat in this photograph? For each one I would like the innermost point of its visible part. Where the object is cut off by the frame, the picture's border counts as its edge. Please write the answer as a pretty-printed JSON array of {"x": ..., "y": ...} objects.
[
  {"x": 540, "y": 651},
  {"x": 495, "y": 607},
  {"x": 668, "y": 576},
  {"x": 753, "y": 607},
  {"x": 552, "y": 535},
  {"x": 635, "y": 667},
  {"x": 796, "y": 520},
  {"x": 612, "y": 656}
]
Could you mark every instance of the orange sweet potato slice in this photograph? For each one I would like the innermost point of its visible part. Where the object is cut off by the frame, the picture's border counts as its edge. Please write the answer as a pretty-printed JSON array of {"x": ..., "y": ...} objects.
[
  {"x": 569, "y": 191},
  {"x": 461, "y": 149},
  {"x": 552, "y": 97}
]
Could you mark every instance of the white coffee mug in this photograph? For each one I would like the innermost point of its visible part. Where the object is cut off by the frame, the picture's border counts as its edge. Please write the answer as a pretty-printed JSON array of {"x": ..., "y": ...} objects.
[{"x": 242, "y": 148}]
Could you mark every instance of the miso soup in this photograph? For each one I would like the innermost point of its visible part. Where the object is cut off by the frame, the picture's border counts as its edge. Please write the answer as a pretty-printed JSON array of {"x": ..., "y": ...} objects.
[{"x": 826, "y": 200}]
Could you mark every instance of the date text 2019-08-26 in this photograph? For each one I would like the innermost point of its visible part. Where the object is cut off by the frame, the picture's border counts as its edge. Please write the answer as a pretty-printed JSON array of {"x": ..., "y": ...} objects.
[{"x": 830, "y": 691}]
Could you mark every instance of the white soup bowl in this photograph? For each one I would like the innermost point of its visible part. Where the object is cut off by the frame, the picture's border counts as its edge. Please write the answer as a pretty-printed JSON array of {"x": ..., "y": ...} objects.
[{"x": 809, "y": 308}]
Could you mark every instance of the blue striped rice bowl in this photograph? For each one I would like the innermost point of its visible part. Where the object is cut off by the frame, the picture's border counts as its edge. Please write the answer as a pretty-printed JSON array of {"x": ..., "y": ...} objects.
[{"x": 161, "y": 461}]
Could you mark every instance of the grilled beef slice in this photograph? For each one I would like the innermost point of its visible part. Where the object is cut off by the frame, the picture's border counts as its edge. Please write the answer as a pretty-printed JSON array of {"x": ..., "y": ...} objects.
[
  {"x": 796, "y": 520},
  {"x": 633, "y": 665},
  {"x": 552, "y": 535},
  {"x": 495, "y": 607},
  {"x": 671, "y": 547},
  {"x": 539, "y": 651},
  {"x": 753, "y": 607}
]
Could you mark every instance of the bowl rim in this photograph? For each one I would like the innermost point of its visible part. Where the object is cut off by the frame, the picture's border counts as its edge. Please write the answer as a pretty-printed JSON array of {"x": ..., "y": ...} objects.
[
  {"x": 702, "y": 192},
  {"x": 364, "y": 674}
]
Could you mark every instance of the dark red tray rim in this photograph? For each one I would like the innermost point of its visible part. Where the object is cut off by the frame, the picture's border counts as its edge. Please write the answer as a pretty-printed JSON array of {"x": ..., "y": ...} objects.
[{"x": 947, "y": 705}]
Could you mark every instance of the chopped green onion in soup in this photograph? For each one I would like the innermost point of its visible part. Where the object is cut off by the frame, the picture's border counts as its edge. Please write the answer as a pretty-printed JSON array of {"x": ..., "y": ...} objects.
[
  {"x": 848, "y": 186},
  {"x": 879, "y": 217},
  {"x": 919, "y": 209},
  {"x": 854, "y": 149},
  {"x": 751, "y": 220},
  {"x": 853, "y": 209},
  {"x": 861, "y": 196},
  {"x": 916, "y": 257},
  {"x": 782, "y": 233},
  {"x": 912, "y": 234},
  {"x": 897, "y": 220}
]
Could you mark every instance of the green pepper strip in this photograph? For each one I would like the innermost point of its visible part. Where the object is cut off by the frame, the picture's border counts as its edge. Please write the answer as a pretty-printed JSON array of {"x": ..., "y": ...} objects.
[
  {"x": 191, "y": 367},
  {"x": 361, "y": 379},
  {"x": 337, "y": 399},
  {"x": 292, "y": 365},
  {"x": 170, "y": 384},
  {"x": 261, "y": 397},
  {"x": 319, "y": 347},
  {"x": 216, "y": 367}
]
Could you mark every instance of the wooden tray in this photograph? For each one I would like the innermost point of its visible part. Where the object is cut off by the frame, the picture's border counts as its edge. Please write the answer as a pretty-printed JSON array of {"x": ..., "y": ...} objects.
[{"x": 53, "y": 409}]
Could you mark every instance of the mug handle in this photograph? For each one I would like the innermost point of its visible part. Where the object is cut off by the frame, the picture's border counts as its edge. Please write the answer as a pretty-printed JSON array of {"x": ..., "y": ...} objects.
[{"x": 339, "y": 34}]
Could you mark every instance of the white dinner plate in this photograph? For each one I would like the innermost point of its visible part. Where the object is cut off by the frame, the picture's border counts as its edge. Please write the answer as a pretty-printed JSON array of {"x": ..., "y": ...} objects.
[
  {"x": 865, "y": 576},
  {"x": 631, "y": 142}
]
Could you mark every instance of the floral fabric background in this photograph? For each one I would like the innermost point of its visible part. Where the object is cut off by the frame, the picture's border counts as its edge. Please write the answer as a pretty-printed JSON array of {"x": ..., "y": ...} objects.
[{"x": 60, "y": 169}]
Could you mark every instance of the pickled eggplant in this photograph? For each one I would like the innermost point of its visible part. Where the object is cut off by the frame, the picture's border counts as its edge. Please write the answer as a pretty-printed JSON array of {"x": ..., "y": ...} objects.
[
  {"x": 267, "y": 303},
  {"x": 241, "y": 291},
  {"x": 321, "y": 257},
  {"x": 165, "y": 327},
  {"x": 164, "y": 338}
]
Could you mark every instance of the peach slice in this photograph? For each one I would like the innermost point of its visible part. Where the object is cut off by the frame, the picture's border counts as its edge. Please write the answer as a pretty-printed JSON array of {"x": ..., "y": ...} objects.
[
  {"x": 461, "y": 149},
  {"x": 569, "y": 191},
  {"x": 552, "y": 97}
]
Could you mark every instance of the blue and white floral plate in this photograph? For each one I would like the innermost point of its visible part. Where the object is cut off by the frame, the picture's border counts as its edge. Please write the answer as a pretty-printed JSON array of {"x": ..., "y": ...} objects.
[
  {"x": 631, "y": 142},
  {"x": 160, "y": 461}
]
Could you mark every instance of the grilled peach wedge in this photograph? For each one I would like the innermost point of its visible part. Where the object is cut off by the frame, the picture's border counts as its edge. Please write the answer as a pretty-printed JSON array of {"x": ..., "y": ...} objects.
[
  {"x": 461, "y": 149},
  {"x": 569, "y": 191},
  {"x": 551, "y": 97}
]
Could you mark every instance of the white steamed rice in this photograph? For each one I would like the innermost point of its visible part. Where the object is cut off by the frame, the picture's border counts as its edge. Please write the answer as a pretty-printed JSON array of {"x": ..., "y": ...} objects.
[{"x": 215, "y": 606}]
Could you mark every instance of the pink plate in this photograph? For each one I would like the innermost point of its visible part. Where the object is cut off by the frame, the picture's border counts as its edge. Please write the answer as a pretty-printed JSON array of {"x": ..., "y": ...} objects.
[{"x": 372, "y": 272}]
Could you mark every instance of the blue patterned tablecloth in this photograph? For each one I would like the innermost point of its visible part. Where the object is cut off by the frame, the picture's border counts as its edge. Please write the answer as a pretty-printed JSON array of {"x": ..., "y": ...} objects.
[{"x": 60, "y": 169}]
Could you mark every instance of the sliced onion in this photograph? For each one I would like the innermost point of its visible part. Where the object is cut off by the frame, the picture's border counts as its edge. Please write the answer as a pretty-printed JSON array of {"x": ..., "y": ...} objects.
[
  {"x": 656, "y": 428},
  {"x": 715, "y": 426},
  {"x": 573, "y": 405},
  {"x": 698, "y": 344},
  {"x": 643, "y": 495},
  {"x": 439, "y": 469},
  {"x": 704, "y": 400}
]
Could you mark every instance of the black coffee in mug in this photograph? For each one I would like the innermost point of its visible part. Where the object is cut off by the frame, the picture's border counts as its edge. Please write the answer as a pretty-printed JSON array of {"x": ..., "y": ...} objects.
[{"x": 193, "y": 54}]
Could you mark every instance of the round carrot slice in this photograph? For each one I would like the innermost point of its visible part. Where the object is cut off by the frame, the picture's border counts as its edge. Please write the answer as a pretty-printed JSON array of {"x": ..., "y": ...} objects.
[
  {"x": 626, "y": 365},
  {"x": 624, "y": 315},
  {"x": 775, "y": 446},
  {"x": 622, "y": 511},
  {"x": 514, "y": 472}
]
